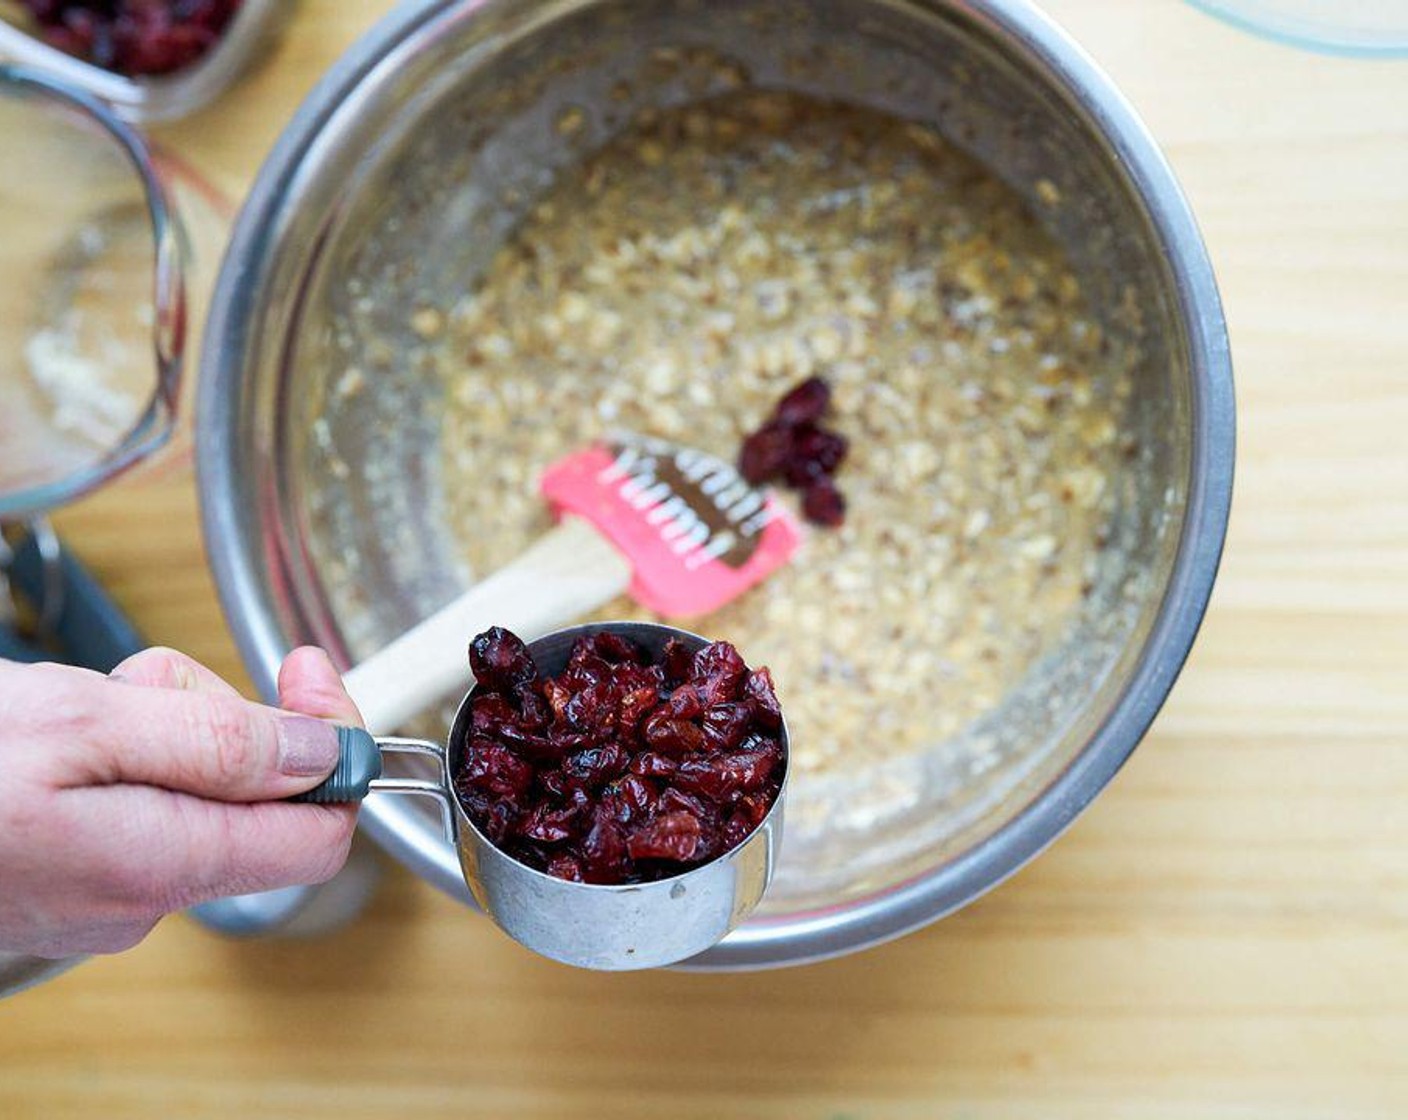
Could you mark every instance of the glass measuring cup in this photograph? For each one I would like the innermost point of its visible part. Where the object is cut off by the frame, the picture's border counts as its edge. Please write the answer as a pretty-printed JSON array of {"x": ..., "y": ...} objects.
[{"x": 93, "y": 316}]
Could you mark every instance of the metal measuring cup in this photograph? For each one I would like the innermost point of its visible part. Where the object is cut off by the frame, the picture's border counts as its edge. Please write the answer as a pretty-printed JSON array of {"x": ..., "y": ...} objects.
[{"x": 609, "y": 928}]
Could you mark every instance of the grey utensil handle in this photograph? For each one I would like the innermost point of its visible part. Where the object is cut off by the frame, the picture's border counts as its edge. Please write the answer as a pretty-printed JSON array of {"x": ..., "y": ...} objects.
[
  {"x": 358, "y": 765},
  {"x": 359, "y": 770},
  {"x": 88, "y": 627}
]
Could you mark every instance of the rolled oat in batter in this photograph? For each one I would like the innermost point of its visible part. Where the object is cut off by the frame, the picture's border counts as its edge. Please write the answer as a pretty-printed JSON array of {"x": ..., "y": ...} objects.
[{"x": 686, "y": 275}]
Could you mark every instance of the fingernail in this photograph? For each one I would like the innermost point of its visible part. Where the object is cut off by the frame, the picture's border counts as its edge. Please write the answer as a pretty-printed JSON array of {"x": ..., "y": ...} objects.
[{"x": 307, "y": 747}]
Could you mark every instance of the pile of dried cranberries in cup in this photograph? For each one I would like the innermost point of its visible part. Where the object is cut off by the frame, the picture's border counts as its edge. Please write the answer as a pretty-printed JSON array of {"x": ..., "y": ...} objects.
[
  {"x": 133, "y": 37},
  {"x": 620, "y": 769}
]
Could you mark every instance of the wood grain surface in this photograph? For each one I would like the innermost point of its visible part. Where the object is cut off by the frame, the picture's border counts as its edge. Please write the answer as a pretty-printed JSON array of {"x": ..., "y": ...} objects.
[{"x": 1224, "y": 934}]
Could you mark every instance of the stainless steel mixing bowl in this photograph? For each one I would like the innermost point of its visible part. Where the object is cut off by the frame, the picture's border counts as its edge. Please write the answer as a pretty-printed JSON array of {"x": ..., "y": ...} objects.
[{"x": 391, "y": 181}]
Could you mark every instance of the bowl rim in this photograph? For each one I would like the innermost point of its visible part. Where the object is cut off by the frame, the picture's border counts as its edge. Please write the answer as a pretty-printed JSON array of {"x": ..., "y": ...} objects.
[{"x": 775, "y": 940}]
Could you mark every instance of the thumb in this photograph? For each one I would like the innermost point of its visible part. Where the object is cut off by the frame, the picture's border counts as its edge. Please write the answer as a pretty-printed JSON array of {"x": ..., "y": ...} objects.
[{"x": 310, "y": 684}]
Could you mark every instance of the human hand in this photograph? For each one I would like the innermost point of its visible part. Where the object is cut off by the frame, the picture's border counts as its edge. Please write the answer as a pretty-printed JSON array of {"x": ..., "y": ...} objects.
[{"x": 124, "y": 798}]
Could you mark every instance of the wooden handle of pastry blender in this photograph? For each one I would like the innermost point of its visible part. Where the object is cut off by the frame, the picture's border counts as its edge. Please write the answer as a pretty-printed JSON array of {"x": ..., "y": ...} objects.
[{"x": 566, "y": 574}]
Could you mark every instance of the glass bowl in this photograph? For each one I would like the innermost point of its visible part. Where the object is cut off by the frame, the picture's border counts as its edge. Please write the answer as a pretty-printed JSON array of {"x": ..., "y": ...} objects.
[
  {"x": 149, "y": 100},
  {"x": 1358, "y": 28}
]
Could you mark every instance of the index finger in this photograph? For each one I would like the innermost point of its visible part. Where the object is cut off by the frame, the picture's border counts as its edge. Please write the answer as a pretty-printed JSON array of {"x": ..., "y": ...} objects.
[
  {"x": 160, "y": 667},
  {"x": 213, "y": 745}
]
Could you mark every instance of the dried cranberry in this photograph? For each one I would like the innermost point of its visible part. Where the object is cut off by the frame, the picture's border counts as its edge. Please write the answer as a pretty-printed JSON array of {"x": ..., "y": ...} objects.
[
  {"x": 633, "y": 707},
  {"x": 805, "y": 403},
  {"x": 579, "y": 799},
  {"x": 603, "y": 849},
  {"x": 497, "y": 819},
  {"x": 718, "y": 658},
  {"x": 815, "y": 453},
  {"x": 639, "y": 690},
  {"x": 765, "y": 453},
  {"x": 500, "y": 660},
  {"x": 593, "y": 709},
  {"x": 557, "y": 784},
  {"x": 156, "y": 46},
  {"x": 758, "y": 688},
  {"x": 45, "y": 11},
  {"x": 673, "y": 799},
  {"x": 477, "y": 802},
  {"x": 605, "y": 646},
  {"x": 719, "y": 672},
  {"x": 102, "y": 47},
  {"x": 686, "y": 702},
  {"x": 826, "y": 449},
  {"x": 753, "y": 808},
  {"x": 823, "y": 503},
  {"x": 534, "y": 711},
  {"x": 652, "y": 764},
  {"x": 801, "y": 473},
  {"x": 564, "y": 740},
  {"x": 537, "y": 746},
  {"x": 546, "y": 826},
  {"x": 718, "y": 689},
  {"x": 725, "y": 725},
  {"x": 557, "y": 696},
  {"x": 668, "y": 735},
  {"x": 673, "y": 836},
  {"x": 633, "y": 798},
  {"x": 628, "y": 676},
  {"x": 720, "y": 777},
  {"x": 563, "y": 866},
  {"x": 748, "y": 812},
  {"x": 70, "y": 40},
  {"x": 597, "y": 765},
  {"x": 589, "y": 670},
  {"x": 677, "y": 661},
  {"x": 525, "y": 852},
  {"x": 495, "y": 768},
  {"x": 490, "y": 713},
  {"x": 736, "y": 830}
]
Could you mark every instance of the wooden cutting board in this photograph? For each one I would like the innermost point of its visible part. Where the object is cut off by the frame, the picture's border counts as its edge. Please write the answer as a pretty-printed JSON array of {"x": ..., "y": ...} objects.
[{"x": 1225, "y": 934}]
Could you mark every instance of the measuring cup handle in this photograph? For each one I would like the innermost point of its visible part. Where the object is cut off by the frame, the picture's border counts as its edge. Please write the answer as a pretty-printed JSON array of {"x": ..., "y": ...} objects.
[
  {"x": 358, "y": 773},
  {"x": 358, "y": 765}
]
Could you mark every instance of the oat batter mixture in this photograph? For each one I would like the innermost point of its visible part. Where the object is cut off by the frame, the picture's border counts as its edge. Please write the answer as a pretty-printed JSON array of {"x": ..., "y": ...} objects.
[{"x": 685, "y": 276}]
